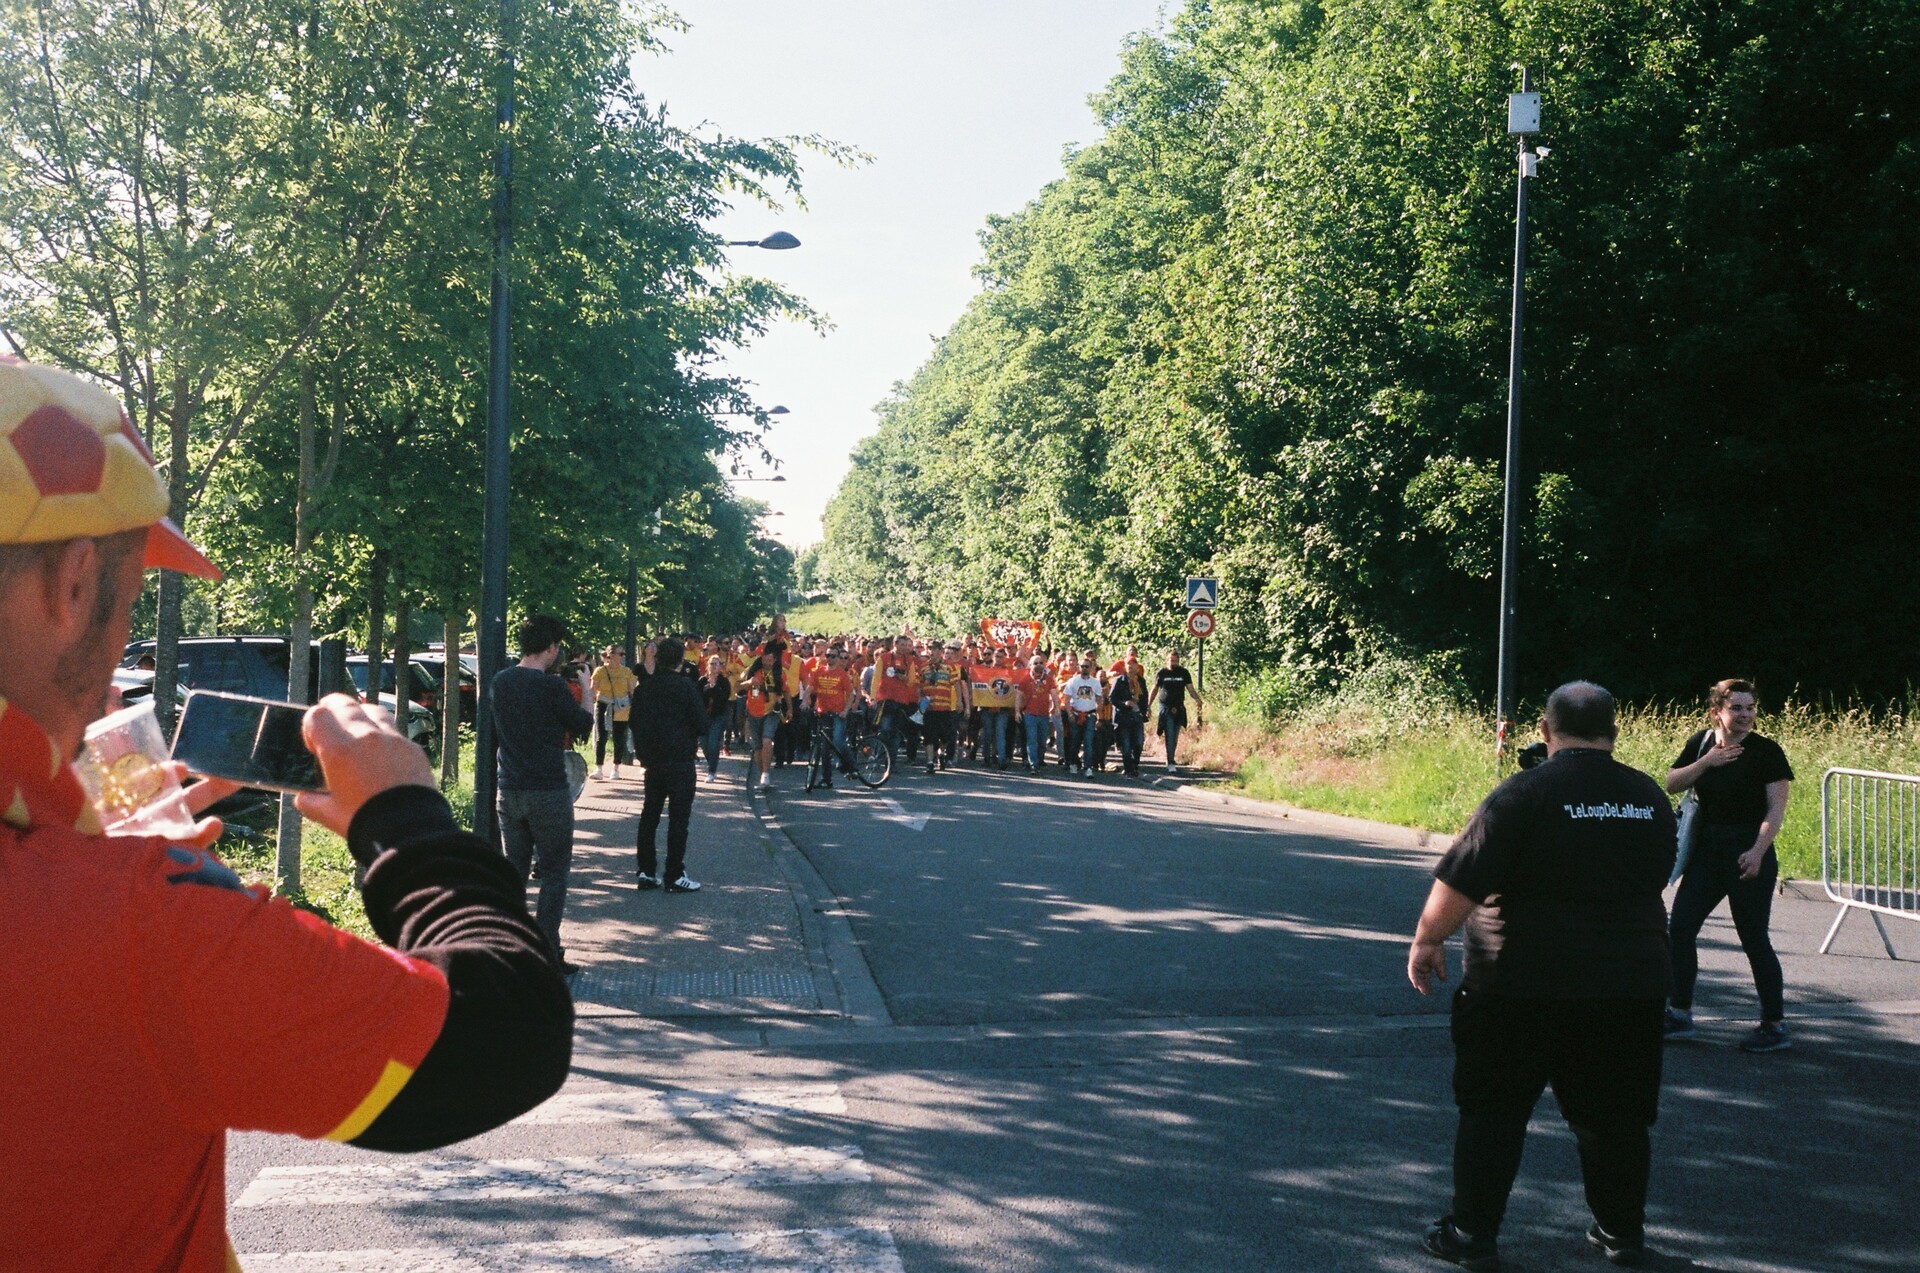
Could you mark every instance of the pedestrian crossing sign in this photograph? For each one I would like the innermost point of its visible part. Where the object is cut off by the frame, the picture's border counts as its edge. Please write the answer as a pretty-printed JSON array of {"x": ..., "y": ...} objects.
[{"x": 1202, "y": 593}]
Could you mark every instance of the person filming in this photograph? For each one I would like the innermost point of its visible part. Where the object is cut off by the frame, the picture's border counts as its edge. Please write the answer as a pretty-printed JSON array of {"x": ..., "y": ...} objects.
[{"x": 154, "y": 1001}]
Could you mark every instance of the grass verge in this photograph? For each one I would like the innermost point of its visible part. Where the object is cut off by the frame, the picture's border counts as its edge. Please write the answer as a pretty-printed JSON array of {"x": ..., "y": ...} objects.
[
  {"x": 328, "y": 887},
  {"x": 1413, "y": 764}
]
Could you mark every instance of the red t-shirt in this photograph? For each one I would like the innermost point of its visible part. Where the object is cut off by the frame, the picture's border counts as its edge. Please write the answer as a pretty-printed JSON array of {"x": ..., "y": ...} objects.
[
  {"x": 1037, "y": 691},
  {"x": 894, "y": 679},
  {"x": 153, "y": 1003},
  {"x": 831, "y": 691}
]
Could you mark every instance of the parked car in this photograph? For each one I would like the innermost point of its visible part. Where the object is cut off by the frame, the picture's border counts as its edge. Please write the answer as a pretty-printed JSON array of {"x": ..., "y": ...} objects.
[
  {"x": 423, "y": 686},
  {"x": 257, "y": 666},
  {"x": 136, "y": 684}
]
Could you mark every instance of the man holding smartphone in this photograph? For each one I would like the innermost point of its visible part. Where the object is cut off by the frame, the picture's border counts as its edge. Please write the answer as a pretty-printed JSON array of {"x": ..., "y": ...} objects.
[{"x": 154, "y": 1001}]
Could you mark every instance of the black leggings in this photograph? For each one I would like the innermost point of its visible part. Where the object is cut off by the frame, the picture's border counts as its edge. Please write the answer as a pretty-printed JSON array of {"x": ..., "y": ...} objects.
[{"x": 1713, "y": 872}]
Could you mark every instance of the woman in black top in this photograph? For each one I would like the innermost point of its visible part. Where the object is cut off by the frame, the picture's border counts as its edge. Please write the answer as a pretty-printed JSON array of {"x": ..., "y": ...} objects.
[
  {"x": 717, "y": 691},
  {"x": 1741, "y": 780}
]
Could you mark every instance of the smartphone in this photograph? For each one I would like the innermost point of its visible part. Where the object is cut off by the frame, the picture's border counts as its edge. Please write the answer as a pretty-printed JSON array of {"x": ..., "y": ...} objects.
[{"x": 252, "y": 741}]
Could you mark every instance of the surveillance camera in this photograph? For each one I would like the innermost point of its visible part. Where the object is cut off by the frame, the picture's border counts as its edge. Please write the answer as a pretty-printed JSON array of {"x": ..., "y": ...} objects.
[{"x": 1542, "y": 151}]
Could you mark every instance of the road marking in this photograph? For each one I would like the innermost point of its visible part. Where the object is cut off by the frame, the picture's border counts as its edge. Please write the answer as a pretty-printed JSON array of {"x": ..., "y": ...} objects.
[
  {"x": 866, "y": 1249},
  {"x": 444, "y": 1180},
  {"x": 896, "y": 813},
  {"x": 623, "y": 1105}
]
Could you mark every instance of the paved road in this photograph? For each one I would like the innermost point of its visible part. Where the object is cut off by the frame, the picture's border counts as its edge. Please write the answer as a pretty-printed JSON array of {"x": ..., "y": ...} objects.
[{"x": 1101, "y": 1026}]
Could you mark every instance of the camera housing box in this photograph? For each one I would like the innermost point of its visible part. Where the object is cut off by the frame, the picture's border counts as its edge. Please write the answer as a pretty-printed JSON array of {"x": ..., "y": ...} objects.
[{"x": 1523, "y": 113}]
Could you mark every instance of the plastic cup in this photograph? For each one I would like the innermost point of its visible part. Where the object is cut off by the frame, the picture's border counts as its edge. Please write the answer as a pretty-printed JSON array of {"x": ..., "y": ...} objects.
[{"x": 124, "y": 768}]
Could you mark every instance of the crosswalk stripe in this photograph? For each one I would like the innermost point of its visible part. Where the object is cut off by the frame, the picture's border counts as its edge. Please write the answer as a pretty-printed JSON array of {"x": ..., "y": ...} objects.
[
  {"x": 443, "y": 1180},
  {"x": 866, "y": 1249},
  {"x": 623, "y": 1105}
]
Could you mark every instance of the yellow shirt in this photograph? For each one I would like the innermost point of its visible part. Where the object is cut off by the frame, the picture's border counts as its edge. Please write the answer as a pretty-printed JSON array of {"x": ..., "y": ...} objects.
[{"x": 616, "y": 684}]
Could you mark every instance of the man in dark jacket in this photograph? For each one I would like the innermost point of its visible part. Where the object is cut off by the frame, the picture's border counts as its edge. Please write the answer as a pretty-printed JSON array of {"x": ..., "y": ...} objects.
[
  {"x": 1558, "y": 879},
  {"x": 668, "y": 719}
]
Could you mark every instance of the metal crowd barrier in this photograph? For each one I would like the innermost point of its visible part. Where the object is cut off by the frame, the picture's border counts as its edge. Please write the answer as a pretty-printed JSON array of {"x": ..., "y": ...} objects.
[{"x": 1870, "y": 847}]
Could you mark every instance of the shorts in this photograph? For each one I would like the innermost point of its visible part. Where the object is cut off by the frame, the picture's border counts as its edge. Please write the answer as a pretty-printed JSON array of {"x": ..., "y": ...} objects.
[{"x": 760, "y": 729}]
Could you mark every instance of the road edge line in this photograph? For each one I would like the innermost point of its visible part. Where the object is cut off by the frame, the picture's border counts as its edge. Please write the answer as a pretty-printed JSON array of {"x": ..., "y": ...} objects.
[{"x": 838, "y": 958}]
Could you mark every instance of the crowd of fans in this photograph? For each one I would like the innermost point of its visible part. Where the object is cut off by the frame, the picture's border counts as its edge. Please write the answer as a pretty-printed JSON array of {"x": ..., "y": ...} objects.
[{"x": 936, "y": 702}]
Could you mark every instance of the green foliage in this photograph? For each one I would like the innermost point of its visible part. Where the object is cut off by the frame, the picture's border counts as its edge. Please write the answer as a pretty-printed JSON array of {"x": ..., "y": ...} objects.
[{"x": 1260, "y": 329}]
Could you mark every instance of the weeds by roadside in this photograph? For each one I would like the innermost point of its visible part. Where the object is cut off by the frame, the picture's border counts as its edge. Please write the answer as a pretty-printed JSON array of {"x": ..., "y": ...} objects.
[{"x": 1395, "y": 746}]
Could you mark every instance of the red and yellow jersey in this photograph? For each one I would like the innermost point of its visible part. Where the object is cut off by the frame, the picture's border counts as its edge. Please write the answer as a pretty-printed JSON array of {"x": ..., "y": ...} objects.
[
  {"x": 760, "y": 687},
  {"x": 832, "y": 691},
  {"x": 153, "y": 1002},
  {"x": 896, "y": 678},
  {"x": 940, "y": 686},
  {"x": 735, "y": 666}
]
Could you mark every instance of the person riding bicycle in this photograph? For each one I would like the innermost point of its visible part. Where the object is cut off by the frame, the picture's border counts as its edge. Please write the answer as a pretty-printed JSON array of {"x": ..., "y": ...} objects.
[{"x": 831, "y": 695}]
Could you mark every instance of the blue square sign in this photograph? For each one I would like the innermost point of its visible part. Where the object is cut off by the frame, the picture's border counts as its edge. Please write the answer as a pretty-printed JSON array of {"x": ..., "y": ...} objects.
[{"x": 1202, "y": 593}]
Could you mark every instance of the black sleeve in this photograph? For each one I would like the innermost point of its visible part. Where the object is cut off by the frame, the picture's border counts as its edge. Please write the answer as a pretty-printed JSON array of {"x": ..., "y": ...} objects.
[
  {"x": 576, "y": 719},
  {"x": 1690, "y": 751},
  {"x": 1770, "y": 763},
  {"x": 1479, "y": 862},
  {"x": 444, "y": 896}
]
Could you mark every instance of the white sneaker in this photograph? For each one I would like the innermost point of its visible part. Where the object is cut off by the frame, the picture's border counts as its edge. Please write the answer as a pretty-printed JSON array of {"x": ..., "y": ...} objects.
[
  {"x": 766, "y": 780},
  {"x": 600, "y": 774},
  {"x": 685, "y": 884},
  {"x": 616, "y": 773}
]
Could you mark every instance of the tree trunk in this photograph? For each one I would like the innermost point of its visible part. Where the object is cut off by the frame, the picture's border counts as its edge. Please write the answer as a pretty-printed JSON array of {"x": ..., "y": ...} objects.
[
  {"x": 166, "y": 654},
  {"x": 300, "y": 639},
  {"x": 402, "y": 646},
  {"x": 376, "y": 621},
  {"x": 450, "y": 701}
]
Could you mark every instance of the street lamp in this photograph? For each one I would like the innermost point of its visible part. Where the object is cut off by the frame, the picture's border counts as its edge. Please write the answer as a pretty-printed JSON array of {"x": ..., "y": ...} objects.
[
  {"x": 742, "y": 481},
  {"x": 493, "y": 531},
  {"x": 1523, "y": 120},
  {"x": 778, "y": 241}
]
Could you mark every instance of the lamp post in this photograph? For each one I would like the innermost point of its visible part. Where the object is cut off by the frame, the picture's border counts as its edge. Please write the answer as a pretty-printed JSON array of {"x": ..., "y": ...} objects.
[
  {"x": 778, "y": 241},
  {"x": 1523, "y": 120},
  {"x": 493, "y": 533}
]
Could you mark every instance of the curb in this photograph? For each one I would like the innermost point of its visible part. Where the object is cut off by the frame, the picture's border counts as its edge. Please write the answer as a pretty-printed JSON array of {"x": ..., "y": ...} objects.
[{"x": 836, "y": 956}]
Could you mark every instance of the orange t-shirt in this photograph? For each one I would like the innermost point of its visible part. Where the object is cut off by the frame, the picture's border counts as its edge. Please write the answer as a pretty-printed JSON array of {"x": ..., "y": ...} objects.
[{"x": 154, "y": 1002}]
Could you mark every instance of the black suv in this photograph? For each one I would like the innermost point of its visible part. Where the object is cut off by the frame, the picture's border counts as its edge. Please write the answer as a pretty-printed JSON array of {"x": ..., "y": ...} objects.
[{"x": 257, "y": 666}]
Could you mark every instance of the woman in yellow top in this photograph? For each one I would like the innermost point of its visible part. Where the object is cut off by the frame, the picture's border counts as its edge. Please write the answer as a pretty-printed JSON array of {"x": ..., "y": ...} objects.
[{"x": 613, "y": 683}]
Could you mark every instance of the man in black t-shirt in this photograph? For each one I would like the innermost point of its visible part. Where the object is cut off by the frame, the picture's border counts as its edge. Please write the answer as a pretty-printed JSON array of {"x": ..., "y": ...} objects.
[
  {"x": 1170, "y": 690},
  {"x": 1558, "y": 879}
]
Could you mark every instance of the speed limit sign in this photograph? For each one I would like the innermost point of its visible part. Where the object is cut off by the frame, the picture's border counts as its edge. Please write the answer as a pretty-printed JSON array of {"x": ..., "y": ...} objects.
[{"x": 1200, "y": 623}]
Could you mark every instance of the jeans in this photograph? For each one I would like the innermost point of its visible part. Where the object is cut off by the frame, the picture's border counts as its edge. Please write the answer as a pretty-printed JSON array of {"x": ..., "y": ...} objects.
[
  {"x": 716, "y": 732},
  {"x": 993, "y": 730},
  {"x": 1039, "y": 735},
  {"x": 539, "y": 824},
  {"x": 1130, "y": 733},
  {"x": 1713, "y": 872},
  {"x": 1602, "y": 1058},
  {"x": 669, "y": 786},
  {"x": 894, "y": 728},
  {"x": 1083, "y": 732},
  {"x": 1171, "y": 729}
]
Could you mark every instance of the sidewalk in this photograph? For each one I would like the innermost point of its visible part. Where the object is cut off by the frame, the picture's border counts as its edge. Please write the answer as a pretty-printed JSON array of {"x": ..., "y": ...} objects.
[{"x": 740, "y": 947}]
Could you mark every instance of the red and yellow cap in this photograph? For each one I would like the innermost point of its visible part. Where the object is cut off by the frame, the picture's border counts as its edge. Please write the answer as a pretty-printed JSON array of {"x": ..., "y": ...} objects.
[{"x": 73, "y": 465}]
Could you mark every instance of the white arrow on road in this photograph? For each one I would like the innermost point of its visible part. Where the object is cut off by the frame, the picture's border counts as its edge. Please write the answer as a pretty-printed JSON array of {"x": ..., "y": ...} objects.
[{"x": 895, "y": 813}]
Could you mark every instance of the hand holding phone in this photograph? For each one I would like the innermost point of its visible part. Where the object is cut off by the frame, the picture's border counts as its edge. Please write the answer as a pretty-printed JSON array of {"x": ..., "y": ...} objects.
[
  {"x": 362, "y": 753},
  {"x": 252, "y": 741}
]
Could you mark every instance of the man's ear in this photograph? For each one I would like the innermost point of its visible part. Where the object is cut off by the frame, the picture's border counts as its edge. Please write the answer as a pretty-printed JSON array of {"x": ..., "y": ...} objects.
[
  {"x": 1546, "y": 731},
  {"x": 69, "y": 584}
]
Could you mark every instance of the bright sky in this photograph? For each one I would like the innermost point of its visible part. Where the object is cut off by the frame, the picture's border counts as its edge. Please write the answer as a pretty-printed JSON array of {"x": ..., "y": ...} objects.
[{"x": 965, "y": 107}]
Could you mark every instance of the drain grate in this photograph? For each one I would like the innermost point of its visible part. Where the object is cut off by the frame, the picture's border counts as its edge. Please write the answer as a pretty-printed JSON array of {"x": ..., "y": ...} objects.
[{"x": 638, "y": 988}]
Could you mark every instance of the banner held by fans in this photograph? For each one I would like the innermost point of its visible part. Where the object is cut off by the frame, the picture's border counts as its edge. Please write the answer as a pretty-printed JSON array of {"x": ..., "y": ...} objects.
[{"x": 1013, "y": 631}]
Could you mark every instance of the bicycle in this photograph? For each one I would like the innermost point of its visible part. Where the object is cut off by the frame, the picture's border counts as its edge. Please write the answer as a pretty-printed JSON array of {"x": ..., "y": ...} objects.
[{"x": 866, "y": 755}]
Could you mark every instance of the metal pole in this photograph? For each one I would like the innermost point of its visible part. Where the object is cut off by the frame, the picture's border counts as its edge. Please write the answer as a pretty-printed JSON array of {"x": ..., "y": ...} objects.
[
  {"x": 1200, "y": 681},
  {"x": 493, "y": 537},
  {"x": 1510, "y": 522},
  {"x": 633, "y": 608}
]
